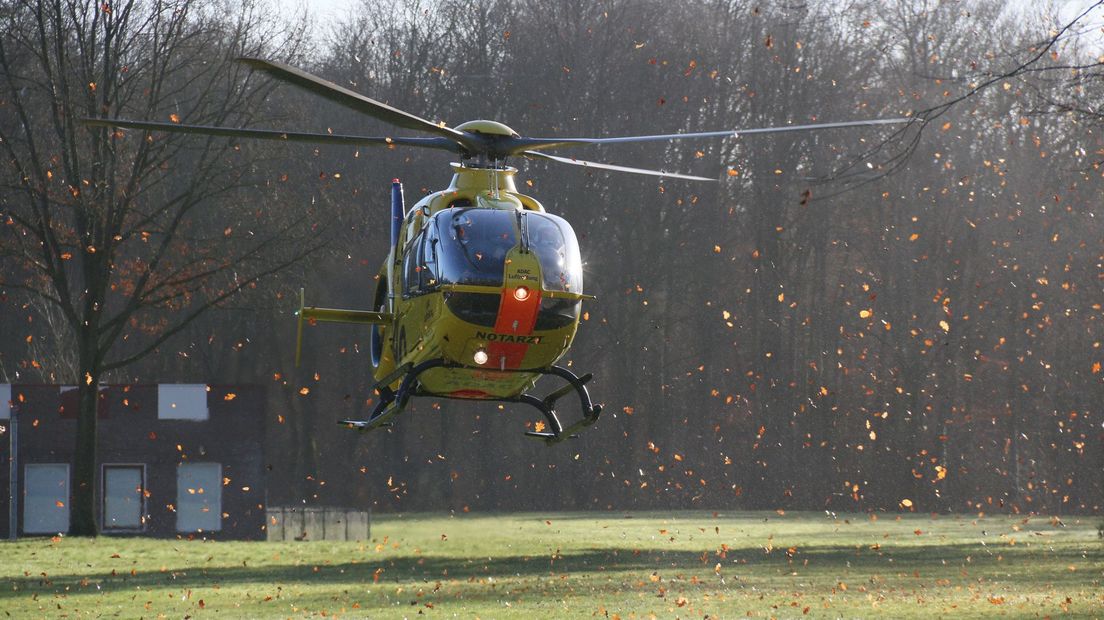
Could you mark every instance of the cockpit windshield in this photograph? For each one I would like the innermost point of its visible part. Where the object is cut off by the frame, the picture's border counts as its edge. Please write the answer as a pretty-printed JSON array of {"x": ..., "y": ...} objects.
[
  {"x": 473, "y": 245},
  {"x": 464, "y": 245}
]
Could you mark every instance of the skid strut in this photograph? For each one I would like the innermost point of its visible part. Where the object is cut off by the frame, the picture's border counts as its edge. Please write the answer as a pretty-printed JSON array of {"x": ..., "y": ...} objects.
[
  {"x": 547, "y": 406},
  {"x": 394, "y": 401}
]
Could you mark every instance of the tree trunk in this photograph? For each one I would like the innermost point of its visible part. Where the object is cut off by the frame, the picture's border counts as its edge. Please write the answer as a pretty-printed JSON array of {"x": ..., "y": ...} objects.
[{"x": 83, "y": 520}]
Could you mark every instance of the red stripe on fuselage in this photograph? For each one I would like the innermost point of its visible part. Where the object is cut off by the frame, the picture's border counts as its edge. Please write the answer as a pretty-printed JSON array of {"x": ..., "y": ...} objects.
[
  {"x": 517, "y": 317},
  {"x": 470, "y": 394}
]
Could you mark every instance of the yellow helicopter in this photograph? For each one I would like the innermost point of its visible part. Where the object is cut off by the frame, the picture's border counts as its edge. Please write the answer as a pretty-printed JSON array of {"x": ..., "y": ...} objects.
[{"x": 480, "y": 293}]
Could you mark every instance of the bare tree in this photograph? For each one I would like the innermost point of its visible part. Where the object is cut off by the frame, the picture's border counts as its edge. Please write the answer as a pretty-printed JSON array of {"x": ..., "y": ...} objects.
[{"x": 114, "y": 229}]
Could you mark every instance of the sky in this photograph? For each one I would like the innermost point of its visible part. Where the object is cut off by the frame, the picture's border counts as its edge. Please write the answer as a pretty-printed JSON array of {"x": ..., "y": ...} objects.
[{"x": 322, "y": 10}]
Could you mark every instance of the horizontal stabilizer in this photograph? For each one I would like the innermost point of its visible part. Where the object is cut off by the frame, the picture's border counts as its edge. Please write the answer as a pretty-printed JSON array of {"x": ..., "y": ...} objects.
[
  {"x": 337, "y": 315},
  {"x": 314, "y": 315}
]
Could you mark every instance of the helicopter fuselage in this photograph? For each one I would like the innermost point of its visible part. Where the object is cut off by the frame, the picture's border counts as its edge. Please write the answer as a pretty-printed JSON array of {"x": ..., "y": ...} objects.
[{"x": 483, "y": 279}]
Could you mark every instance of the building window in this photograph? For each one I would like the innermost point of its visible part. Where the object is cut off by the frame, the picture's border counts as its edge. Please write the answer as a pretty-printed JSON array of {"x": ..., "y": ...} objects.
[
  {"x": 68, "y": 402},
  {"x": 124, "y": 489},
  {"x": 181, "y": 402},
  {"x": 5, "y": 401},
  {"x": 199, "y": 497},
  {"x": 46, "y": 498}
]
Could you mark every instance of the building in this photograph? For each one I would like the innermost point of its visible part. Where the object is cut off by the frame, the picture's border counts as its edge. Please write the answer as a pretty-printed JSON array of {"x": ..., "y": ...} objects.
[{"x": 174, "y": 460}]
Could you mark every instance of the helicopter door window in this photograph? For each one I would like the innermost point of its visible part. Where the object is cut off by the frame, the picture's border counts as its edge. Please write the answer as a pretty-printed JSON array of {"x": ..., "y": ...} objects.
[
  {"x": 427, "y": 259},
  {"x": 411, "y": 268}
]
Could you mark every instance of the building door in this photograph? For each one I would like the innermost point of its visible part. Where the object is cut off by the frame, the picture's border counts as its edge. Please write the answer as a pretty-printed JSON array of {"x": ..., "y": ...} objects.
[
  {"x": 46, "y": 498},
  {"x": 123, "y": 497},
  {"x": 199, "y": 497}
]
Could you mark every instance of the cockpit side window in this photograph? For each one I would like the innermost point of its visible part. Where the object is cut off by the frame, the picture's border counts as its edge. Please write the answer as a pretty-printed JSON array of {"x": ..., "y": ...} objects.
[
  {"x": 411, "y": 267},
  {"x": 428, "y": 259},
  {"x": 420, "y": 263}
]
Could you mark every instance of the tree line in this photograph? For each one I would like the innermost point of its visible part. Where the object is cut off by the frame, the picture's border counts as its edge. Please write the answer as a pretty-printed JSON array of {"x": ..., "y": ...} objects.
[{"x": 855, "y": 319}]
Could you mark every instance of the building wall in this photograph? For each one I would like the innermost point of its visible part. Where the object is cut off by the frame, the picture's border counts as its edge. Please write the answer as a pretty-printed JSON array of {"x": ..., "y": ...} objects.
[{"x": 200, "y": 476}]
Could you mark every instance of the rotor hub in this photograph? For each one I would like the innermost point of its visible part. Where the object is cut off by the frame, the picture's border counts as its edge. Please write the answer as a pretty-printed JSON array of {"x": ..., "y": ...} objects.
[{"x": 490, "y": 128}]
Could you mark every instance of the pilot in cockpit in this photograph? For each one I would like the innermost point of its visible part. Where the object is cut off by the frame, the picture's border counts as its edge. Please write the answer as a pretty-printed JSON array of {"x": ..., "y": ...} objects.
[{"x": 546, "y": 241}]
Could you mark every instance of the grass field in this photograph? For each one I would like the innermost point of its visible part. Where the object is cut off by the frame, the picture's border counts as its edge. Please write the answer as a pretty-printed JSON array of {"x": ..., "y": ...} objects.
[{"x": 578, "y": 565}]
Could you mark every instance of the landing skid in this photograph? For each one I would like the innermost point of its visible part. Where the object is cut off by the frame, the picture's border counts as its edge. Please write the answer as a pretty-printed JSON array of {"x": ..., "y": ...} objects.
[{"x": 392, "y": 402}]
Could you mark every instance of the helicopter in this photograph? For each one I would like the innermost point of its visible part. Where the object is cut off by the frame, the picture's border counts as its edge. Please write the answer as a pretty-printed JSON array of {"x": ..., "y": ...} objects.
[{"x": 481, "y": 291}]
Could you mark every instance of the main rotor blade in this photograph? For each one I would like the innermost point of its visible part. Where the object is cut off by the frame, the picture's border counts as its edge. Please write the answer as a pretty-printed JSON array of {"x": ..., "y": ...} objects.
[
  {"x": 355, "y": 101},
  {"x": 521, "y": 144},
  {"x": 270, "y": 134},
  {"x": 590, "y": 164}
]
